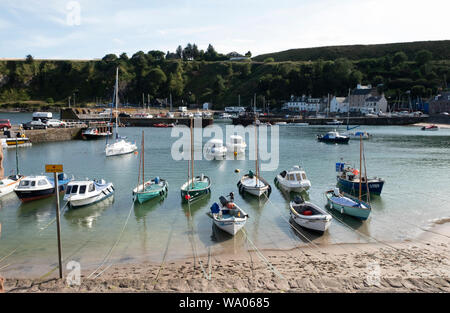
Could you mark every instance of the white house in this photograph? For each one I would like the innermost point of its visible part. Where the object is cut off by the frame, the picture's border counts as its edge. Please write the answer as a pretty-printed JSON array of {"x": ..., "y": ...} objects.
[
  {"x": 339, "y": 105},
  {"x": 303, "y": 104}
]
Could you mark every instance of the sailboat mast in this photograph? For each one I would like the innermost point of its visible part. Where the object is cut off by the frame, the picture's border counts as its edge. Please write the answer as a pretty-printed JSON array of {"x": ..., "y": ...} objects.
[
  {"x": 256, "y": 151},
  {"x": 192, "y": 153},
  {"x": 365, "y": 175},
  {"x": 143, "y": 162},
  {"x": 117, "y": 100},
  {"x": 360, "y": 167},
  {"x": 17, "y": 159}
]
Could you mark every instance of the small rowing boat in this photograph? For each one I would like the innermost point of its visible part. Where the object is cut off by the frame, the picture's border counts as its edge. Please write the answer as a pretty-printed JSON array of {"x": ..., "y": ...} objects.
[
  {"x": 309, "y": 215},
  {"x": 228, "y": 216}
]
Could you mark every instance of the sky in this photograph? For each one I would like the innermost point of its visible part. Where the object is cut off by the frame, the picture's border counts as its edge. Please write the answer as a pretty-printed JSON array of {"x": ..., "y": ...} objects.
[{"x": 86, "y": 29}]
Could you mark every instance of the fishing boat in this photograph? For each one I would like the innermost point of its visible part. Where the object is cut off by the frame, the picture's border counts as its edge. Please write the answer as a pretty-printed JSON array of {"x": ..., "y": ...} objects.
[
  {"x": 309, "y": 215},
  {"x": 236, "y": 144},
  {"x": 93, "y": 133},
  {"x": 196, "y": 186},
  {"x": 120, "y": 145},
  {"x": 346, "y": 204},
  {"x": 430, "y": 128},
  {"x": 162, "y": 125},
  {"x": 298, "y": 124},
  {"x": 149, "y": 189},
  {"x": 87, "y": 192},
  {"x": 335, "y": 122},
  {"x": 215, "y": 149},
  {"x": 38, "y": 187},
  {"x": 8, "y": 184},
  {"x": 293, "y": 180},
  {"x": 228, "y": 216},
  {"x": 253, "y": 183},
  {"x": 333, "y": 137},
  {"x": 15, "y": 142},
  {"x": 349, "y": 181}
]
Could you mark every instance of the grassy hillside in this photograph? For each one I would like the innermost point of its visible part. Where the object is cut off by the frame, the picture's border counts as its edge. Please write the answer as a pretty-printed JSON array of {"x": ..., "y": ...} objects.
[
  {"x": 439, "y": 49},
  {"x": 423, "y": 73}
]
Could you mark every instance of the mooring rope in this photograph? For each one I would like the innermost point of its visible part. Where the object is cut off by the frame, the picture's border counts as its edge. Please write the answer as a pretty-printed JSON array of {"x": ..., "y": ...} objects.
[{"x": 105, "y": 259}]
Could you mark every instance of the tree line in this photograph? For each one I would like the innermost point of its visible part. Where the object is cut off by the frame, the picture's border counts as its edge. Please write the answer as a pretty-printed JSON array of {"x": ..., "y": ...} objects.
[{"x": 192, "y": 76}]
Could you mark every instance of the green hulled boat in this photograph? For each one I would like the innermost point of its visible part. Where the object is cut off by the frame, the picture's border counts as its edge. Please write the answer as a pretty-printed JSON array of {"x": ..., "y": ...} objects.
[
  {"x": 148, "y": 189},
  {"x": 192, "y": 191},
  {"x": 196, "y": 186}
]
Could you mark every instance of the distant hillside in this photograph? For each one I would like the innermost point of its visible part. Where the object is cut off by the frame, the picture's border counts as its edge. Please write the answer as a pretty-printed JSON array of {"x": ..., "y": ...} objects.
[{"x": 440, "y": 50}]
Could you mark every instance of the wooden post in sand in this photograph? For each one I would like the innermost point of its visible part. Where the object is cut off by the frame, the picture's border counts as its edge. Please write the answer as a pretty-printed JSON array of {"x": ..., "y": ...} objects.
[
  {"x": 2, "y": 287},
  {"x": 2, "y": 170}
]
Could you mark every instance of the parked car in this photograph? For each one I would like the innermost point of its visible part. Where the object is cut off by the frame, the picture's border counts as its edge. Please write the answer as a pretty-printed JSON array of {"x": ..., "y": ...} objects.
[
  {"x": 35, "y": 125},
  {"x": 5, "y": 124},
  {"x": 55, "y": 123}
]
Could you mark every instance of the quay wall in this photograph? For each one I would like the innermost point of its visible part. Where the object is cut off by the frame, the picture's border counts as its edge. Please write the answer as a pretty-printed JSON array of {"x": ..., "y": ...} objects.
[
  {"x": 53, "y": 134},
  {"x": 322, "y": 121}
]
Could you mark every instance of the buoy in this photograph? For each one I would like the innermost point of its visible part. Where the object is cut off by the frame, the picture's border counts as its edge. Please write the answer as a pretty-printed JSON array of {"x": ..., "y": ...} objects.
[
  {"x": 237, "y": 170},
  {"x": 187, "y": 197},
  {"x": 135, "y": 152},
  {"x": 235, "y": 153}
]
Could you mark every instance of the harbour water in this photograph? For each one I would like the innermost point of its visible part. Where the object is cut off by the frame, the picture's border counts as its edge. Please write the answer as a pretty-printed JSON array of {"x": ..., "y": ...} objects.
[{"x": 412, "y": 162}]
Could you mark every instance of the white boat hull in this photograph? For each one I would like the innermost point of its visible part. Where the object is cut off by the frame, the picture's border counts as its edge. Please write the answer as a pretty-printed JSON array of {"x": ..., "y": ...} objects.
[
  {"x": 230, "y": 226},
  {"x": 119, "y": 148},
  {"x": 8, "y": 186},
  {"x": 77, "y": 201},
  {"x": 320, "y": 225}
]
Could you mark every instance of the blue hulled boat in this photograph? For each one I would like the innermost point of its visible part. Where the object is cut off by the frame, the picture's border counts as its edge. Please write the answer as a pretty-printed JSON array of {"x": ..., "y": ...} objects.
[
  {"x": 349, "y": 181},
  {"x": 39, "y": 187}
]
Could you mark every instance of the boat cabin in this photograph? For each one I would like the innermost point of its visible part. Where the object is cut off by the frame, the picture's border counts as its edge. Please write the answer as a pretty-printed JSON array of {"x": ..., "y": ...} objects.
[
  {"x": 294, "y": 175},
  {"x": 80, "y": 187},
  {"x": 34, "y": 181},
  {"x": 236, "y": 140}
]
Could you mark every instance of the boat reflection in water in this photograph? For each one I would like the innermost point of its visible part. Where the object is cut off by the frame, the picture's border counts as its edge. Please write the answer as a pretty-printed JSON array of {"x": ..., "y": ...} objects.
[{"x": 87, "y": 216}]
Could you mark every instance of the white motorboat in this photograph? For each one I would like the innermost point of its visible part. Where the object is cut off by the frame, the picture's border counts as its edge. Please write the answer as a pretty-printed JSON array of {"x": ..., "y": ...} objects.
[
  {"x": 335, "y": 122},
  {"x": 8, "y": 184},
  {"x": 15, "y": 142},
  {"x": 309, "y": 215},
  {"x": 293, "y": 180},
  {"x": 215, "y": 149},
  {"x": 254, "y": 185},
  {"x": 236, "y": 144},
  {"x": 87, "y": 192},
  {"x": 228, "y": 216},
  {"x": 281, "y": 123},
  {"x": 120, "y": 145}
]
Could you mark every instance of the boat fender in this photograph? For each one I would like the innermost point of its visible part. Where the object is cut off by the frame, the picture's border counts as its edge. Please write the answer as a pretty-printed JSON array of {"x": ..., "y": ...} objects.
[
  {"x": 103, "y": 192},
  {"x": 342, "y": 210},
  {"x": 112, "y": 187}
]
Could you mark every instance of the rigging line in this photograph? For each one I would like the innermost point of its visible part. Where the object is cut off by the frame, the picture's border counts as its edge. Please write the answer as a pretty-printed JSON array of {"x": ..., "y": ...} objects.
[
  {"x": 193, "y": 244},
  {"x": 308, "y": 240},
  {"x": 166, "y": 249},
  {"x": 406, "y": 254},
  {"x": 262, "y": 257},
  {"x": 115, "y": 244},
  {"x": 39, "y": 232}
]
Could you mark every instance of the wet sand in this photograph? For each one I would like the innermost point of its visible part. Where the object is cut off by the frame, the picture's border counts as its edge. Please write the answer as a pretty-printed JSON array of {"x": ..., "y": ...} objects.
[{"x": 420, "y": 265}]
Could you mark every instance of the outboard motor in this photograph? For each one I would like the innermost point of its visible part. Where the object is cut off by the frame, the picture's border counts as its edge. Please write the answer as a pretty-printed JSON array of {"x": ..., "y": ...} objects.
[
  {"x": 336, "y": 192},
  {"x": 223, "y": 200},
  {"x": 157, "y": 180},
  {"x": 299, "y": 200}
]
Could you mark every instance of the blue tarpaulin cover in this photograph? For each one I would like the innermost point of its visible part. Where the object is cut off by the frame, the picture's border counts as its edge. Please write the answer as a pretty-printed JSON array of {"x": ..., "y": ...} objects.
[{"x": 215, "y": 208}]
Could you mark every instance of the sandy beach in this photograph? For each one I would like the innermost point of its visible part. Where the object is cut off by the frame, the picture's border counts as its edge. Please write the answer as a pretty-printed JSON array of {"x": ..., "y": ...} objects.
[{"x": 420, "y": 265}]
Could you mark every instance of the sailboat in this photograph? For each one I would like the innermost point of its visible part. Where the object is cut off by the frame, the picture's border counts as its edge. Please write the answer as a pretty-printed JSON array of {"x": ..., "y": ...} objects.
[
  {"x": 252, "y": 182},
  {"x": 8, "y": 184},
  {"x": 347, "y": 204},
  {"x": 196, "y": 186},
  {"x": 150, "y": 189},
  {"x": 120, "y": 145}
]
